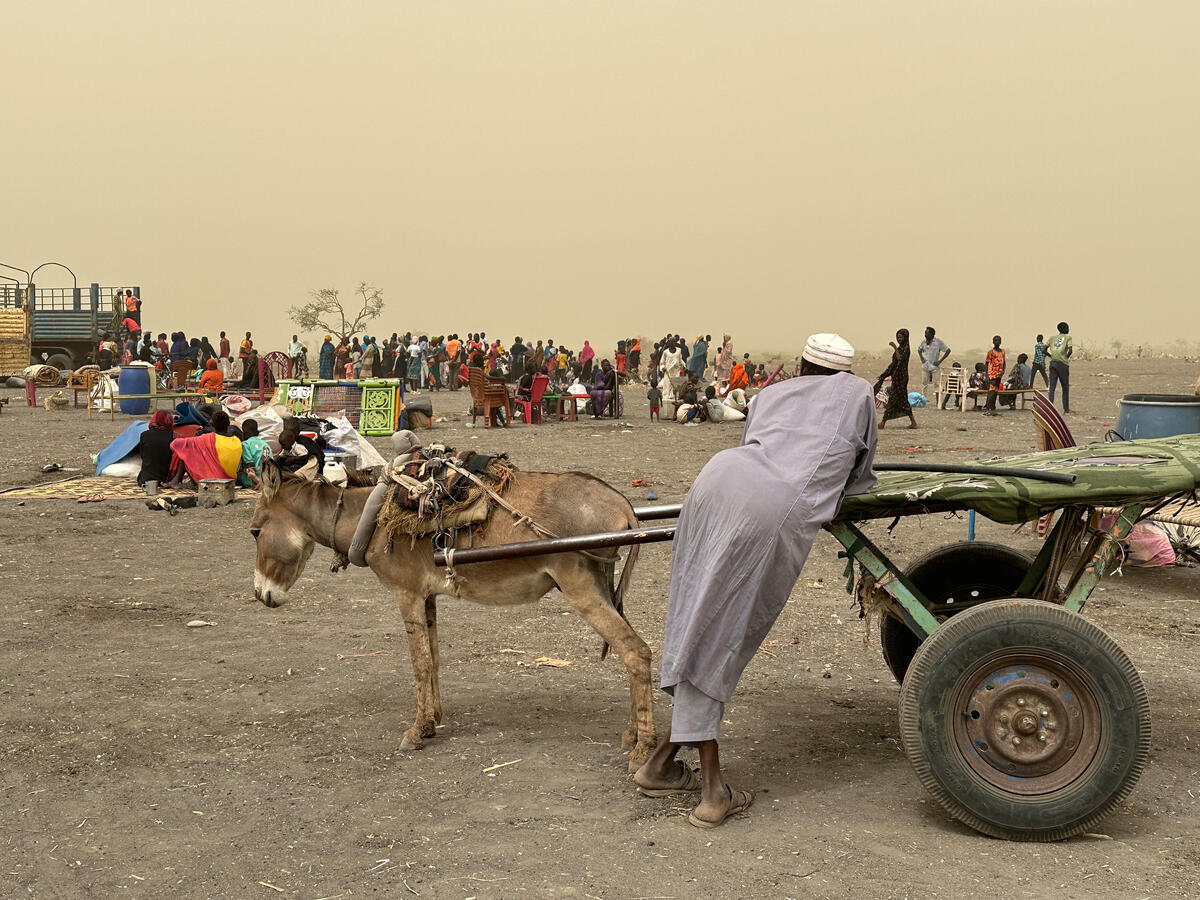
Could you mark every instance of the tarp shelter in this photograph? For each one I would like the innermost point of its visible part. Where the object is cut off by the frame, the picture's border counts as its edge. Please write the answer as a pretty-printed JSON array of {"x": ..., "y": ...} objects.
[{"x": 123, "y": 444}]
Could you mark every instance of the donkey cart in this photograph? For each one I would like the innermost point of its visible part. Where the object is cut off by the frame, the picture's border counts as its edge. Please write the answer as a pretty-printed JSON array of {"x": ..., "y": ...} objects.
[{"x": 1023, "y": 719}]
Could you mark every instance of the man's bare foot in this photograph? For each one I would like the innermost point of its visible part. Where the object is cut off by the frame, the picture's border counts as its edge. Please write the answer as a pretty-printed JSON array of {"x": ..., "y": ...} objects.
[
  {"x": 710, "y": 814},
  {"x": 677, "y": 778}
]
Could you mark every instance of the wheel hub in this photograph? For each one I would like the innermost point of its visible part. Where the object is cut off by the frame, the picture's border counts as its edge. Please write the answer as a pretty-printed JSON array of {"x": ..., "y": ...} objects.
[{"x": 1027, "y": 726}]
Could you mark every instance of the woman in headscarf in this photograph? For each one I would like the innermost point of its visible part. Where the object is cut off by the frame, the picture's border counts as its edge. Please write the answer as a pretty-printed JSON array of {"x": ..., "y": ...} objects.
[
  {"x": 154, "y": 446},
  {"x": 341, "y": 360},
  {"x": 179, "y": 347},
  {"x": 212, "y": 380},
  {"x": 369, "y": 358},
  {"x": 585, "y": 358},
  {"x": 699, "y": 361},
  {"x": 250, "y": 371},
  {"x": 897, "y": 401},
  {"x": 325, "y": 361},
  {"x": 603, "y": 385},
  {"x": 207, "y": 352},
  {"x": 739, "y": 379}
]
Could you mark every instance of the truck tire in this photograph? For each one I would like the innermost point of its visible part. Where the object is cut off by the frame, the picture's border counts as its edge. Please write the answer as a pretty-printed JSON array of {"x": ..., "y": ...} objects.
[{"x": 61, "y": 361}]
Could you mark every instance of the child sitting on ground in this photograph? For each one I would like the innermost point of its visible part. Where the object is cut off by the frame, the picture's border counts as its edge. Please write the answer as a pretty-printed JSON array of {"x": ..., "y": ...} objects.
[{"x": 654, "y": 395}]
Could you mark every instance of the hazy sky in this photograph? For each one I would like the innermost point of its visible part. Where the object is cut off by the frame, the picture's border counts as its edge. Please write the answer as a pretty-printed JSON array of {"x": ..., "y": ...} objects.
[{"x": 580, "y": 169}]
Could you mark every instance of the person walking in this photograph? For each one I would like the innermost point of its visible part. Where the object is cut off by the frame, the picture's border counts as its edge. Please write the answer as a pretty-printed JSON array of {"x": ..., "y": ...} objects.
[
  {"x": 1039, "y": 361},
  {"x": 1060, "y": 351},
  {"x": 897, "y": 403}
]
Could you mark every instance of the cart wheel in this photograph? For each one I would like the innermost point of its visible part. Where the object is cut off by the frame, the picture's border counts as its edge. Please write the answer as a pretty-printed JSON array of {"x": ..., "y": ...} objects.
[
  {"x": 1024, "y": 720},
  {"x": 954, "y": 577}
]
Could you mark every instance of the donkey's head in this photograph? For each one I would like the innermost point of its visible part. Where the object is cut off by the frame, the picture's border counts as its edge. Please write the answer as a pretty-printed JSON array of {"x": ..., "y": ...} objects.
[{"x": 284, "y": 537}]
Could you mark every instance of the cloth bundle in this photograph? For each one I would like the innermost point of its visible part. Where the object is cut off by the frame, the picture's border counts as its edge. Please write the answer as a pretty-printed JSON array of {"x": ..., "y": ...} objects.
[{"x": 45, "y": 376}]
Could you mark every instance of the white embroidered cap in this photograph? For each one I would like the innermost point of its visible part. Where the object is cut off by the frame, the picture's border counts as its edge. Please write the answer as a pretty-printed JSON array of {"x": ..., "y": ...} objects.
[{"x": 829, "y": 350}]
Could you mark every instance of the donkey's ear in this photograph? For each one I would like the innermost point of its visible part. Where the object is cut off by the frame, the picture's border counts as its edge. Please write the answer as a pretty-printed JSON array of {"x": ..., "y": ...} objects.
[{"x": 271, "y": 479}]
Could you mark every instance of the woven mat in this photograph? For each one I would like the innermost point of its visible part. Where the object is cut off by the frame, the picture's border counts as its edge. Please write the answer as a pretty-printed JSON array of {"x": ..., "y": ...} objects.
[
  {"x": 110, "y": 486},
  {"x": 1181, "y": 512}
]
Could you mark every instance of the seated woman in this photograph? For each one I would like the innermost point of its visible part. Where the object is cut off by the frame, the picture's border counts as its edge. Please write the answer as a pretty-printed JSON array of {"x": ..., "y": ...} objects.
[
  {"x": 154, "y": 446},
  {"x": 250, "y": 370},
  {"x": 738, "y": 378},
  {"x": 603, "y": 386},
  {"x": 212, "y": 379},
  {"x": 525, "y": 385},
  {"x": 254, "y": 451},
  {"x": 213, "y": 454}
]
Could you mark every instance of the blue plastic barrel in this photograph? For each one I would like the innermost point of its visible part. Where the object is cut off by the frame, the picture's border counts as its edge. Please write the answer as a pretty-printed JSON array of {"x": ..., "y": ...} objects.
[
  {"x": 134, "y": 380},
  {"x": 1158, "y": 415}
]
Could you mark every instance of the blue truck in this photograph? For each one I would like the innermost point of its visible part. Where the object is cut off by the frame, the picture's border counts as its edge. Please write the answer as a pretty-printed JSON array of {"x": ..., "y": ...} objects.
[{"x": 58, "y": 326}]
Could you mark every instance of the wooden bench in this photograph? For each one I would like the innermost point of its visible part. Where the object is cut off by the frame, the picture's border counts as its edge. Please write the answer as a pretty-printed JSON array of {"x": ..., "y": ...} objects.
[
  {"x": 116, "y": 399},
  {"x": 1025, "y": 395},
  {"x": 954, "y": 384}
]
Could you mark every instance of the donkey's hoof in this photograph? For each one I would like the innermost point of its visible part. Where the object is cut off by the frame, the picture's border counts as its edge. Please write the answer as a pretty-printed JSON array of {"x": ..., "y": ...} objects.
[
  {"x": 628, "y": 739},
  {"x": 411, "y": 742},
  {"x": 428, "y": 730}
]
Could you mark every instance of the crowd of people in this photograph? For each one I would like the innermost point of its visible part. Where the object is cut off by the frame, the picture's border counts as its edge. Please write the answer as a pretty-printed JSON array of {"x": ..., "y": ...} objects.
[{"x": 695, "y": 382}]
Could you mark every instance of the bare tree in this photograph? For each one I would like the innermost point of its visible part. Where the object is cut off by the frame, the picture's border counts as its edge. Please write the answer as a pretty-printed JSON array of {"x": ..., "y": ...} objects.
[{"x": 325, "y": 311}]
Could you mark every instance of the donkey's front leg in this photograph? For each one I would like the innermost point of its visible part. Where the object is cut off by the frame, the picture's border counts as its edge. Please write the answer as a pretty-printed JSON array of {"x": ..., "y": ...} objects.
[{"x": 412, "y": 608}]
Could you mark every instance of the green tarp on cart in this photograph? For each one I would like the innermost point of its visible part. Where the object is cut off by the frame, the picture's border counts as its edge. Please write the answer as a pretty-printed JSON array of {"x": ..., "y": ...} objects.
[{"x": 1115, "y": 474}]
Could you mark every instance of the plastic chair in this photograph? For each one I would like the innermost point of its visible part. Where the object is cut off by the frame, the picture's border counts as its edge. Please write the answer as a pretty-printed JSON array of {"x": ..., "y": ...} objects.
[
  {"x": 488, "y": 397},
  {"x": 531, "y": 409}
]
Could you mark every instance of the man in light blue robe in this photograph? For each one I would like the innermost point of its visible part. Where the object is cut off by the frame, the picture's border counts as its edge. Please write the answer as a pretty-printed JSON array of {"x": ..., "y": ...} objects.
[{"x": 746, "y": 528}]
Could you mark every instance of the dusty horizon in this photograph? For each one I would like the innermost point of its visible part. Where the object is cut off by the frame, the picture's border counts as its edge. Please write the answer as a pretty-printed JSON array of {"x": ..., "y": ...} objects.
[{"x": 576, "y": 171}]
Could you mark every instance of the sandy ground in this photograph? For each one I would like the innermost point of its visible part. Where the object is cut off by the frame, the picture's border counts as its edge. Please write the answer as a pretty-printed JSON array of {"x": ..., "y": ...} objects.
[{"x": 260, "y": 757}]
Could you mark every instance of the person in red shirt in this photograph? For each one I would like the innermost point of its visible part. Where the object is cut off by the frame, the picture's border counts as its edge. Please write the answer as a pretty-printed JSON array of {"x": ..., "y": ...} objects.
[
  {"x": 223, "y": 349},
  {"x": 996, "y": 364}
]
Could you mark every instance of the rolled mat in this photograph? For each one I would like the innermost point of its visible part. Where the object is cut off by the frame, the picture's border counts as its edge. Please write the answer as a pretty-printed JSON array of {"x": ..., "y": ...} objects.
[{"x": 45, "y": 376}]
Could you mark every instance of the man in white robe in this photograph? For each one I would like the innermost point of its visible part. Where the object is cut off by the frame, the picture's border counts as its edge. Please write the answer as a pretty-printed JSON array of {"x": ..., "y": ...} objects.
[{"x": 746, "y": 528}]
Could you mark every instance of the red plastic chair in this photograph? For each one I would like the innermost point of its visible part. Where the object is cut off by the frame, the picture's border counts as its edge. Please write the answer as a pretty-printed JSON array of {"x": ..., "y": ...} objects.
[{"x": 532, "y": 408}]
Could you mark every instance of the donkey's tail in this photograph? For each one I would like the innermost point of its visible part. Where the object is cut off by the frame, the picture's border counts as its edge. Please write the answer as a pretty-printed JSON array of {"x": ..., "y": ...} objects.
[
  {"x": 626, "y": 577},
  {"x": 619, "y": 589}
]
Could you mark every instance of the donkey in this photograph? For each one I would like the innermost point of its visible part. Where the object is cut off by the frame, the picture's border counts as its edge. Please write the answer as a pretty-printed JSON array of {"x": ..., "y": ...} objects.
[{"x": 294, "y": 514}]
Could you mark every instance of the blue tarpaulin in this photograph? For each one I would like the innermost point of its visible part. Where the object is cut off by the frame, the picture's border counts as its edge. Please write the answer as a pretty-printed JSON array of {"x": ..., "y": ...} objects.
[{"x": 125, "y": 443}]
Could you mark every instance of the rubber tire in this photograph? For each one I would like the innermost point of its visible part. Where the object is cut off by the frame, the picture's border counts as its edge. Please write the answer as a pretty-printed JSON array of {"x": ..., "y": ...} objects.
[
  {"x": 993, "y": 570},
  {"x": 926, "y": 720},
  {"x": 60, "y": 361}
]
